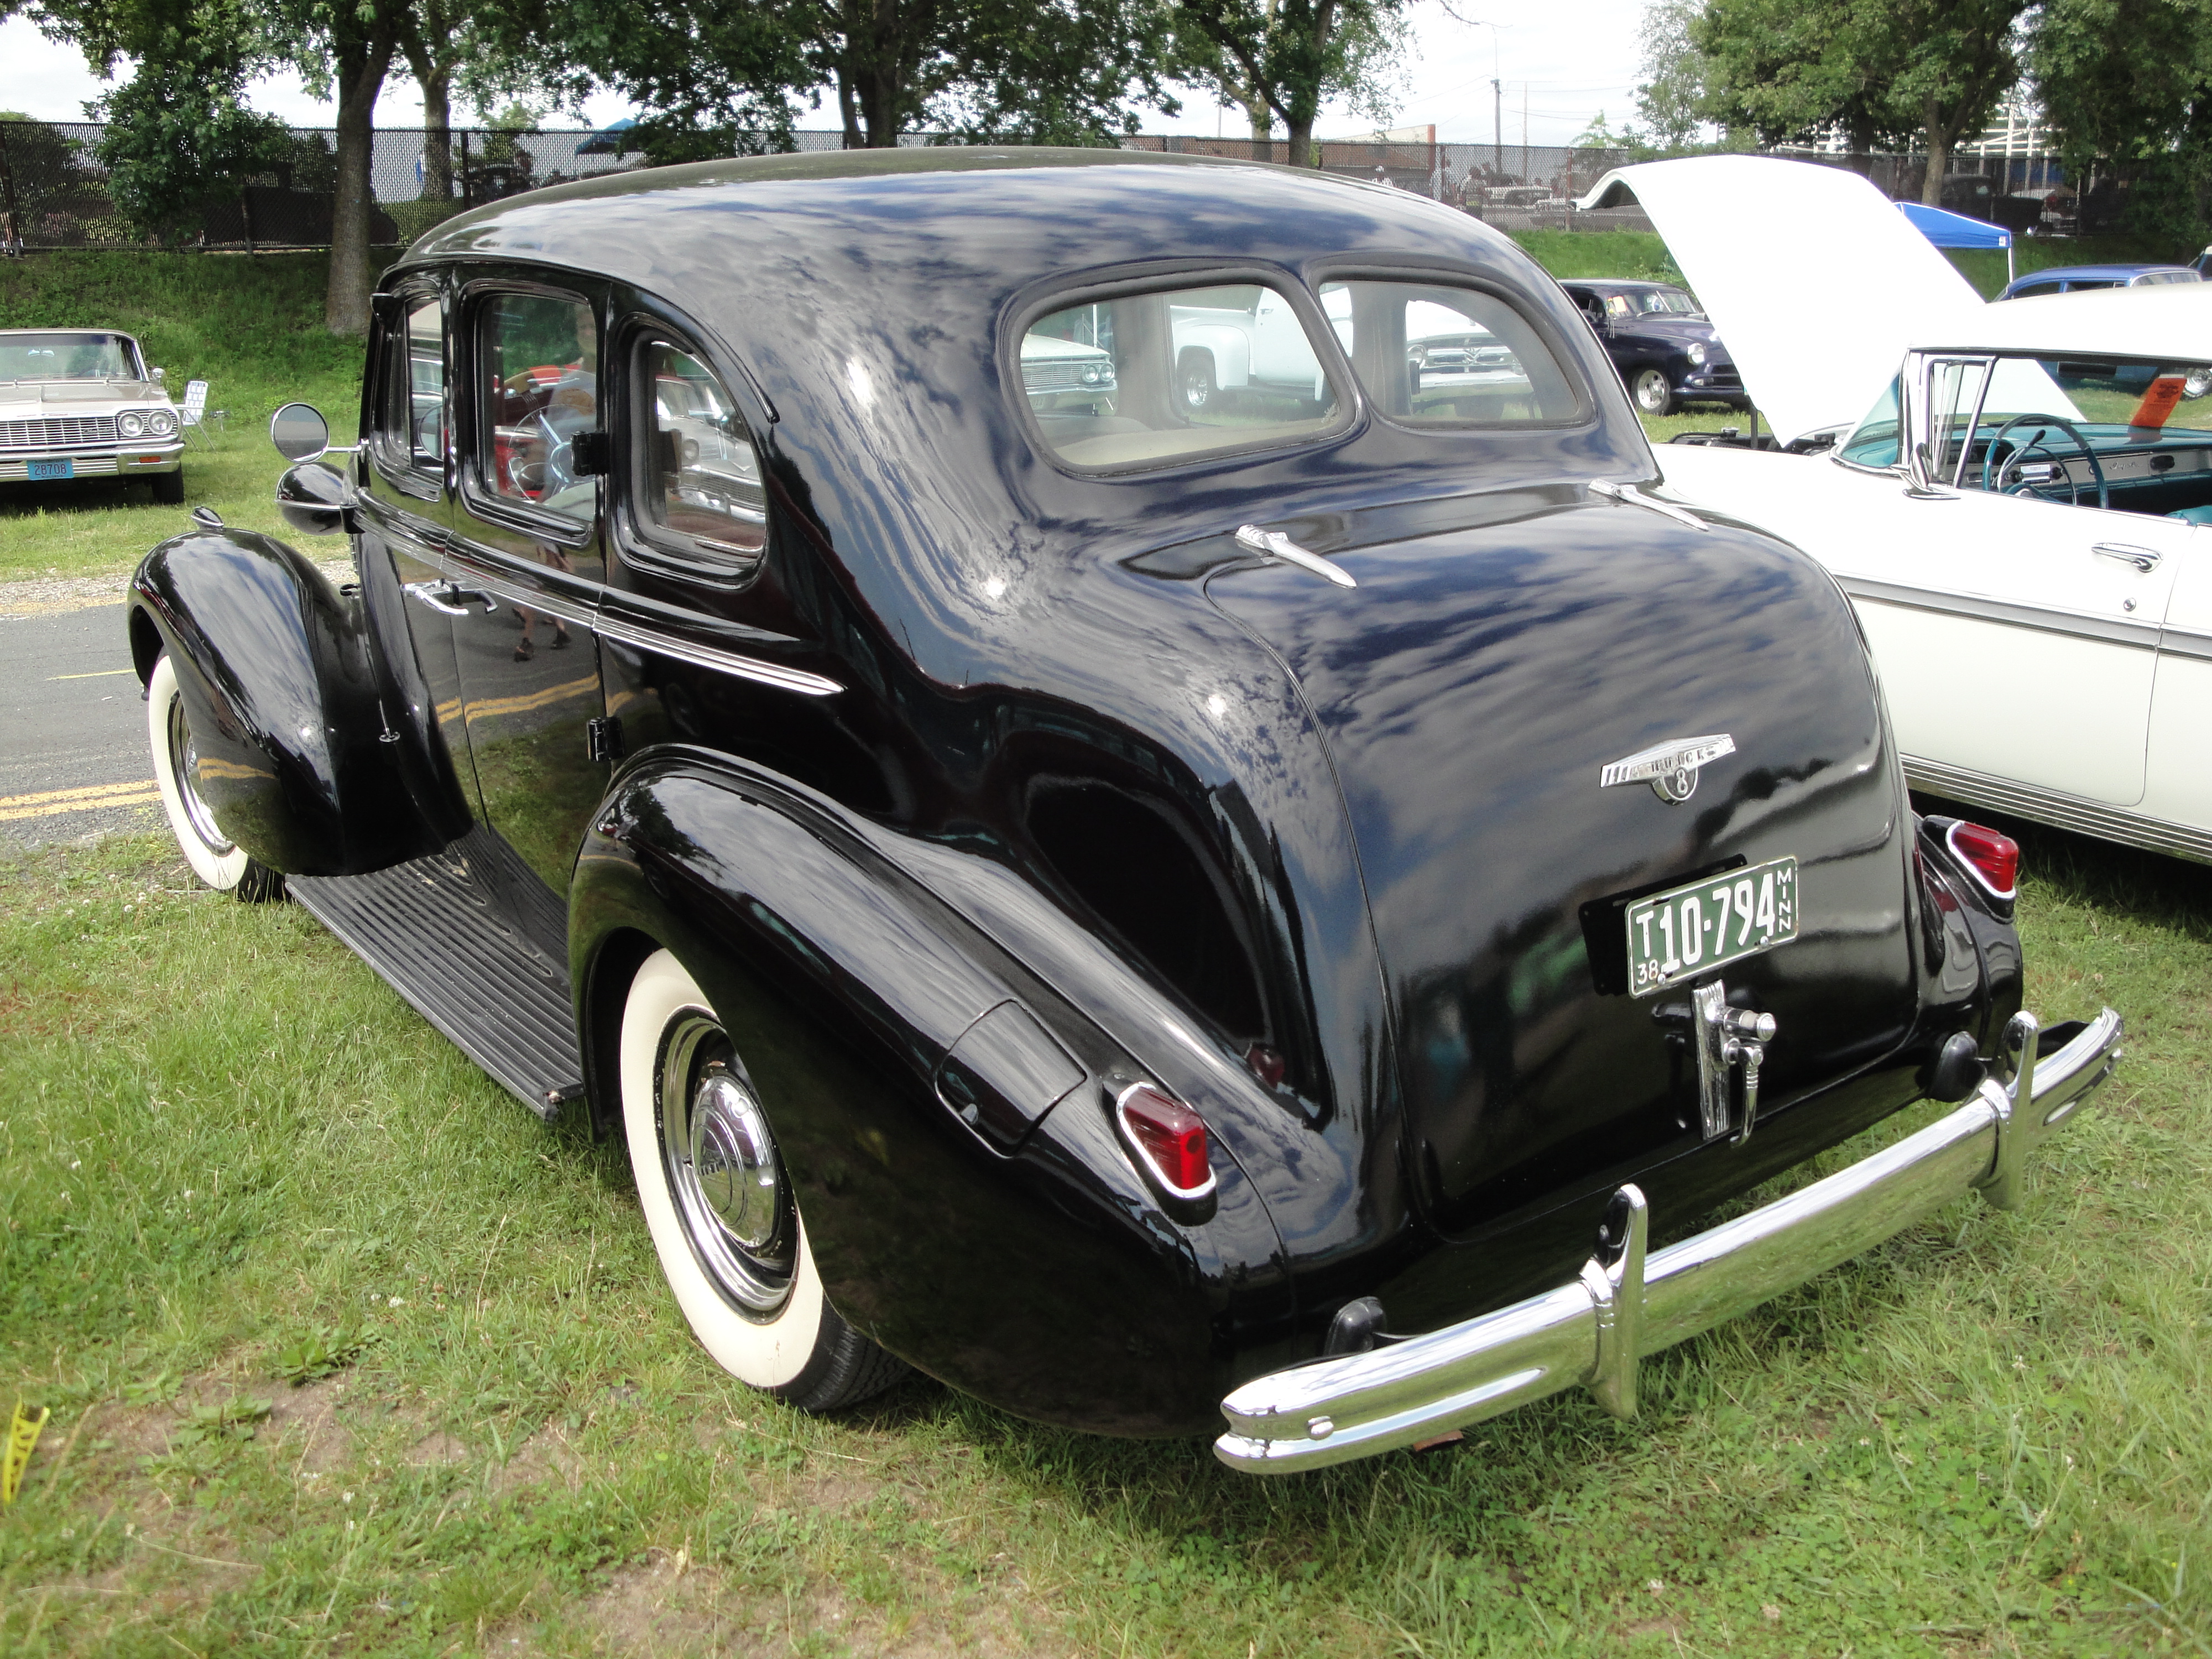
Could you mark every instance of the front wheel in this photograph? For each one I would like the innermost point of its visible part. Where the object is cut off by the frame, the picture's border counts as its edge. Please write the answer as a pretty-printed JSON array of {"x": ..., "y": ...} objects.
[
  {"x": 215, "y": 860},
  {"x": 718, "y": 1201},
  {"x": 1655, "y": 392},
  {"x": 169, "y": 488}
]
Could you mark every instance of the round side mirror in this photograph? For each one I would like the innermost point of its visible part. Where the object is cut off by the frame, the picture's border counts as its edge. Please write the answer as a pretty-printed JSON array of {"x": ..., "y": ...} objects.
[
  {"x": 311, "y": 497},
  {"x": 158, "y": 376},
  {"x": 300, "y": 432}
]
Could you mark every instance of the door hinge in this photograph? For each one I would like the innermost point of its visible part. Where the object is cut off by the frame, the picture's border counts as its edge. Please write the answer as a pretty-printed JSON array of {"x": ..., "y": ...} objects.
[
  {"x": 603, "y": 738},
  {"x": 591, "y": 454}
]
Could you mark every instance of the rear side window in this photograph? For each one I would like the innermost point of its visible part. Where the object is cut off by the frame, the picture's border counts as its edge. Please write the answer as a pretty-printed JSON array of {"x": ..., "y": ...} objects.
[
  {"x": 1431, "y": 355},
  {"x": 539, "y": 358},
  {"x": 1151, "y": 379},
  {"x": 695, "y": 475}
]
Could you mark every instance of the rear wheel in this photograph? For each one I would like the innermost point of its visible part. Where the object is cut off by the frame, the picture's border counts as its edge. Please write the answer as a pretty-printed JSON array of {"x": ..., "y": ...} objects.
[
  {"x": 169, "y": 488},
  {"x": 1200, "y": 389},
  {"x": 215, "y": 860},
  {"x": 1654, "y": 394},
  {"x": 719, "y": 1203}
]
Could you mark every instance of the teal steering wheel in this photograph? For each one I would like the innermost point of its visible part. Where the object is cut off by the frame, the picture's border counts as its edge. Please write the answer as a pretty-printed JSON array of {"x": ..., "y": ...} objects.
[{"x": 2022, "y": 450}]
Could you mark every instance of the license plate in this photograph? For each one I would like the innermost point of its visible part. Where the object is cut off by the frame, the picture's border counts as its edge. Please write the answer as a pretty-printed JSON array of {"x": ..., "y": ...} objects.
[
  {"x": 1692, "y": 930},
  {"x": 51, "y": 469}
]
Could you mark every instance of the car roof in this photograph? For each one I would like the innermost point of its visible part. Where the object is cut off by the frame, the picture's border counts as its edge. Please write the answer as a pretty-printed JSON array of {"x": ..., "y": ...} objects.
[
  {"x": 2172, "y": 320},
  {"x": 2094, "y": 273}
]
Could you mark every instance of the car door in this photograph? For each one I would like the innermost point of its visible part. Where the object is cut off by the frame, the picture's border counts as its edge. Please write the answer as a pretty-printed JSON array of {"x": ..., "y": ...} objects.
[
  {"x": 525, "y": 560},
  {"x": 400, "y": 545},
  {"x": 2017, "y": 637}
]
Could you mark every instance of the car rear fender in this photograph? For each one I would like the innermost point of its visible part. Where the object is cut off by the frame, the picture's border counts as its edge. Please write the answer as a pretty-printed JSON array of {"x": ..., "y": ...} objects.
[
  {"x": 297, "y": 759},
  {"x": 945, "y": 1114}
]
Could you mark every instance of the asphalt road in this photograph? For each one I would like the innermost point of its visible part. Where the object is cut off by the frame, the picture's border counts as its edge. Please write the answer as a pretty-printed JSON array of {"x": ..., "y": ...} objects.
[{"x": 73, "y": 755}]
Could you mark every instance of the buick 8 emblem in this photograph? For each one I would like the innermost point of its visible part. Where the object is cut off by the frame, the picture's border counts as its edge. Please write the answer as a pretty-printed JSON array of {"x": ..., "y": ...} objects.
[{"x": 1670, "y": 768}]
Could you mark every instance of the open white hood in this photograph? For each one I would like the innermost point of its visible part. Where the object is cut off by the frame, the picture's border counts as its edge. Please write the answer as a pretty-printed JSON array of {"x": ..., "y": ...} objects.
[{"x": 1814, "y": 280}]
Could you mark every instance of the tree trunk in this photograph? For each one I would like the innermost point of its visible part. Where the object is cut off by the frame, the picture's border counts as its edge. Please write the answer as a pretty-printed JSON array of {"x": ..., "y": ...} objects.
[
  {"x": 1263, "y": 128},
  {"x": 1299, "y": 144},
  {"x": 361, "y": 67},
  {"x": 1939, "y": 153},
  {"x": 848, "y": 109},
  {"x": 437, "y": 131}
]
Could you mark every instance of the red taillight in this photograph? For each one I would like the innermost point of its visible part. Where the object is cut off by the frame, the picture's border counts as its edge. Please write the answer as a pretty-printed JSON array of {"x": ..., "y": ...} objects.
[
  {"x": 1994, "y": 859},
  {"x": 1170, "y": 1137}
]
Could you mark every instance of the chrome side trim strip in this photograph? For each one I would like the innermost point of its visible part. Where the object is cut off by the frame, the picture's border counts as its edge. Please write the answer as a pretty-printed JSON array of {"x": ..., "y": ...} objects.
[
  {"x": 2185, "y": 642},
  {"x": 2061, "y": 811},
  {"x": 720, "y": 661},
  {"x": 1332, "y": 1410},
  {"x": 2142, "y": 637}
]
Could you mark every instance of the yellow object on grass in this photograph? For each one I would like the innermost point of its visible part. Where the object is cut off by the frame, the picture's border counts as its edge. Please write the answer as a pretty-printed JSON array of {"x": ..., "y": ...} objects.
[{"x": 22, "y": 1434}]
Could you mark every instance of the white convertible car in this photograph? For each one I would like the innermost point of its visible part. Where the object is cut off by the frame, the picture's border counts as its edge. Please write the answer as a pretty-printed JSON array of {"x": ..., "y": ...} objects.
[{"x": 2011, "y": 494}]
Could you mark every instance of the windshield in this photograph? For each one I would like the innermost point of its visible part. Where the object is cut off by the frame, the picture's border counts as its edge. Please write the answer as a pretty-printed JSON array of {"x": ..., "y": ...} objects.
[{"x": 70, "y": 356}]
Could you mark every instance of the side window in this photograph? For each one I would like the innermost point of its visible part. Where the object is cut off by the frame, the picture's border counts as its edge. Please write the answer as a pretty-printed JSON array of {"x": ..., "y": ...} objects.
[
  {"x": 409, "y": 431},
  {"x": 425, "y": 384},
  {"x": 1432, "y": 356},
  {"x": 538, "y": 360},
  {"x": 695, "y": 475}
]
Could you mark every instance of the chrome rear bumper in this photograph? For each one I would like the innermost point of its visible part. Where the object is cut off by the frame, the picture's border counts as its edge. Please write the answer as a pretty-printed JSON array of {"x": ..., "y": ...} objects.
[{"x": 1593, "y": 1332}]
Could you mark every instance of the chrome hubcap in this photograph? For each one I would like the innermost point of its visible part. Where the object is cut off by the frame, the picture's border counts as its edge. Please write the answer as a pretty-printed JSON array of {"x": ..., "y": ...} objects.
[
  {"x": 723, "y": 1171},
  {"x": 1195, "y": 390},
  {"x": 184, "y": 768}
]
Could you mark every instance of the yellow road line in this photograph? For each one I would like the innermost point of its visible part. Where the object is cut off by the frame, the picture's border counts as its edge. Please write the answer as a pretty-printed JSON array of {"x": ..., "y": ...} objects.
[
  {"x": 105, "y": 673},
  {"x": 53, "y": 803},
  {"x": 529, "y": 702}
]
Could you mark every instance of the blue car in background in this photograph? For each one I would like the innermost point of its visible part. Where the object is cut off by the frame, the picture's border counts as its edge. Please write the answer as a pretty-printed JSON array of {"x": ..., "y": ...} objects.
[
  {"x": 1659, "y": 339},
  {"x": 2077, "y": 279}
]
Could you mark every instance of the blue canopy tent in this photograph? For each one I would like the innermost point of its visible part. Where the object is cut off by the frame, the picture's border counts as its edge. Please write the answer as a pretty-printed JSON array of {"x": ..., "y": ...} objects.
[{"x": 1948, "y": 229}]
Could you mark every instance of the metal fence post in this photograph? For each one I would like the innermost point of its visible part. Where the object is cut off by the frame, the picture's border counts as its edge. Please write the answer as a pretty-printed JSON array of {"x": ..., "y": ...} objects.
[
  {"x": 466, "y": 199},
  {"x": 14, "y": 241}
]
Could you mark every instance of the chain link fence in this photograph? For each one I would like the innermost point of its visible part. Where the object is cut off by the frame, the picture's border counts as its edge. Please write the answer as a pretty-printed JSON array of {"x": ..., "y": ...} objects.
[{"x": 54, "y": 189}]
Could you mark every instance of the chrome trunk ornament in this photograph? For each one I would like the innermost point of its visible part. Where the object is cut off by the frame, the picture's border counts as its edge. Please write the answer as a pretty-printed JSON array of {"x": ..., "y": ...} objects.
[{"x": 1670, "y": 768}]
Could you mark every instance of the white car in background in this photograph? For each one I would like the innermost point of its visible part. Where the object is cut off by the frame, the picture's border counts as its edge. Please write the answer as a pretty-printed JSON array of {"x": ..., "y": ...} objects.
[
  {"x": 2012, "y": 494},
  {"x": 80, "y": 403}
]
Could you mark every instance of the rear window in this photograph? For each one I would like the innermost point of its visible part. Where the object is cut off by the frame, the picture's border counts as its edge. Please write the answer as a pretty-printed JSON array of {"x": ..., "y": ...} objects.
[
  {"x": 1431, "y": 355},
  {"x": 1151, "y": 379}
]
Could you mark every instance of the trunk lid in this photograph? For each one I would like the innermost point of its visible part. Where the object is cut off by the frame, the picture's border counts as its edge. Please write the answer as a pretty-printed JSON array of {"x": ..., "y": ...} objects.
[{"x": 1471, "y": 689}]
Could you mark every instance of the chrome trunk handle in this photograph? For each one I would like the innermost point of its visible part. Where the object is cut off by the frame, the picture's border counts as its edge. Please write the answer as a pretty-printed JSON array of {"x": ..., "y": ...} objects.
[{"x": 2144, "y": 559}]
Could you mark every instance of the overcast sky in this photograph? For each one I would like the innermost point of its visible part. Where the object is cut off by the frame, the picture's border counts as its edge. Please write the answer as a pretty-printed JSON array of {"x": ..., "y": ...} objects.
[{"x": 1562, "y": 63}]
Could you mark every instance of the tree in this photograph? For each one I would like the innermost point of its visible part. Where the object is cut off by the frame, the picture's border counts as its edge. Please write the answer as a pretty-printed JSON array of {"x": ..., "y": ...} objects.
[
  {"x": 2129, "y": 88},
  {"x": 1282, "y": 60},
  {"x": 40, "y": 172},
  {"x": 1881, "y": 70},
  {"x": 1673, "y": 70},
  {"x": 177, "y": 142},
  {"x": 720, "y": 79}
]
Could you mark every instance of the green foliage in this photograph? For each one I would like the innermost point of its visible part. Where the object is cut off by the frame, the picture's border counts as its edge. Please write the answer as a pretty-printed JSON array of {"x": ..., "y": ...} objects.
[
  {"x": 49, "y": 171},
  {"x": 323, "y": 1351},
  {"x": 1878, "y": 71},
  {"x": 177, "y": 143},
  {"x": 2131, "y": 86},
  {"x": 1283, "y": 58}
]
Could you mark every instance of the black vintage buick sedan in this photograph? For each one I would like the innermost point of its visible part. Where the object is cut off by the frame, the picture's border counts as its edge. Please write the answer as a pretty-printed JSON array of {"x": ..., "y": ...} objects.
[{"x": 1141, "y": 912}]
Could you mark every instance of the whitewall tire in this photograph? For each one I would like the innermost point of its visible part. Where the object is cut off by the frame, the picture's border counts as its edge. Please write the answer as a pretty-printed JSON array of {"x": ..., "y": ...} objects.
[
  {"x": 214, "y": 860},
  {"x": 719, "y": 1204}
]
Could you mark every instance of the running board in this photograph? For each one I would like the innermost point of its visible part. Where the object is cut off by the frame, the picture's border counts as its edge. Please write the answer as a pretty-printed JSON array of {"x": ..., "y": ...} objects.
[{"x": 435, "y": 929}]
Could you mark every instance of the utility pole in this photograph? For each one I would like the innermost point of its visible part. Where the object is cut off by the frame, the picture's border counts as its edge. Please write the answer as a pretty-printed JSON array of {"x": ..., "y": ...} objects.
[{"x": 1497, "y": 127}]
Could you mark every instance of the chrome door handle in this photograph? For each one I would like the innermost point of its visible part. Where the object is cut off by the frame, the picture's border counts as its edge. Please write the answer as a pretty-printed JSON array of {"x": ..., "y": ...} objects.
[
  {"x": 447, "y": 599},
  {"x": 2144, "y": 559}
]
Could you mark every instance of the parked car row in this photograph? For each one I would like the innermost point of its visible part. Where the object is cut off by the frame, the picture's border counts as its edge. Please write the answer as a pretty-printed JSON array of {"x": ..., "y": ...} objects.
[{"x": 1153, "y": 808}]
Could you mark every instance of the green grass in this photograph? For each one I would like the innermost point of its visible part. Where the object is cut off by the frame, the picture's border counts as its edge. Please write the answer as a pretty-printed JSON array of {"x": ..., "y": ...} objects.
[
  {"x": 250, "y": 327},
  {"x": 230, "y": 1148}
]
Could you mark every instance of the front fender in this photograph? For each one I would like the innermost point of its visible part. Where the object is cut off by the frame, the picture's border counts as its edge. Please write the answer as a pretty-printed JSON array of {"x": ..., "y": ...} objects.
[
  {"x": 296, "y": 759},
  {"x": 1012, "y": 1252}
]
